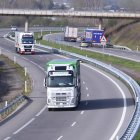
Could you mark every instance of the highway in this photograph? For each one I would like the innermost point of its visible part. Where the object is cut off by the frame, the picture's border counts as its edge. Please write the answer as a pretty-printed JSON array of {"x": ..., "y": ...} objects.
[
  {"x": 126, "y": 54},
  {"x": 104, "y": 112}
]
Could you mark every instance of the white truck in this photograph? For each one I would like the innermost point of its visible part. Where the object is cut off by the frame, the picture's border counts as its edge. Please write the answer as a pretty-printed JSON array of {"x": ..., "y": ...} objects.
[
  {"x": 70, "y": 34},
  {"x": 24, "y": 42},
  {"x": 63, "y": 83}
]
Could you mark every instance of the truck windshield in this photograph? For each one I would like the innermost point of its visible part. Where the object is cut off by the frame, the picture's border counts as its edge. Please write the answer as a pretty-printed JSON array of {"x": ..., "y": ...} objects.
[
  {"x": 60, "y": 81},
  {"x": 28, "y": 40}
]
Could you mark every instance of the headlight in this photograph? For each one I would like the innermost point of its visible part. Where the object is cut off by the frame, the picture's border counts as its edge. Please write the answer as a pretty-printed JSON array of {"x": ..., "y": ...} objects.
[
  {"x": 73, "y": 100},
  {"x": 48, "y": 100}
]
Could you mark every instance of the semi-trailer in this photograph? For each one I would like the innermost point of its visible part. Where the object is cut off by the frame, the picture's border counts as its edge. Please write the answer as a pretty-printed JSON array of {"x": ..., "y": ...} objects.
[
  {"x": 70, "y": 34},
  {"x": 94, "y": 36}
]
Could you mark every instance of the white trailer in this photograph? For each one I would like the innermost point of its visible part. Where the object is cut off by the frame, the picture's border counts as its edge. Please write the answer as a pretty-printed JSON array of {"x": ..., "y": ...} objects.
[
  {"x": 63, "y": 83},
  {"x": 24, "y": 42},
  {"x": 71, "y": 34}
]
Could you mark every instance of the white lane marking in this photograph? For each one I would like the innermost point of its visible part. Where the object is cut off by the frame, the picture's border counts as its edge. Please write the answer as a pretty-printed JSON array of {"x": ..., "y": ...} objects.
[
  {"x": 74, "y": 123},
  {"x": 86, "y": 88},
  {"x": 83, "y": 82},
  {"x": 60, "y": 138},
  {"x": 41, "y": 111},
  {"x": 82, "y": 112},
  {"x": 25, "y": 125},
  {"x": 124, "y": 102},
  {"x": 7, "y": 138},
  {"x": 87, "y": 95},
  {"x": 37, "y": 65}
]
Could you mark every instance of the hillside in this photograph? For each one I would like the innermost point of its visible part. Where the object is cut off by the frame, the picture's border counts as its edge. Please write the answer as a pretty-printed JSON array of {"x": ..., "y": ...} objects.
[{"x": 128, "y": 36}]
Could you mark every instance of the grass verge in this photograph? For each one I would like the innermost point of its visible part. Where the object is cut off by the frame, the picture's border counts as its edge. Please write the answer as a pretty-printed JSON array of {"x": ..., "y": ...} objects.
[{"x": 20, "y": 71}]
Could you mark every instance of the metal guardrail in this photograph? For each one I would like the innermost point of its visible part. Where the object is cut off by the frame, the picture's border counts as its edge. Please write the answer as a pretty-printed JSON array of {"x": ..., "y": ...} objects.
[
  {"x": 11, "y": 107},
  {"x": 135, "y": 122}
]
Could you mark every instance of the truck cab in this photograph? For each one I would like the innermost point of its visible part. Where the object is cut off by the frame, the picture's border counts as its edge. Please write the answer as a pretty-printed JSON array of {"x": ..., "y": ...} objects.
[
  {"x": 63, "y": 83},
  {"x": 24, "y": 42}
]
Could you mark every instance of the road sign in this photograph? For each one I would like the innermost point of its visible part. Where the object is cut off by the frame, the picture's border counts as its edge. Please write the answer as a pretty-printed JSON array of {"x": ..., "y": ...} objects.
[{"x": 103, "y": 41}]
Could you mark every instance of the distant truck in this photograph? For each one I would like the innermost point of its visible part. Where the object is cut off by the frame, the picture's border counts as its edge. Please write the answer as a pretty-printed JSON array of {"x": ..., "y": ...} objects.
[
  {"x": 24, "y": 42},
  {"x": 71, "y": 34},
  {"x": 94, "y": 36},
  {"x": 63, "y": 83}
]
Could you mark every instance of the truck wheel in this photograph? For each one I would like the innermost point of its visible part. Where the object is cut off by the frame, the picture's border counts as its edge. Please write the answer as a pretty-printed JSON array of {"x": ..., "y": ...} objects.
[
  {"x": 19, "y": 51},
  {"x": 16, "y": 50},
  {"x": 79, "y": 98}
]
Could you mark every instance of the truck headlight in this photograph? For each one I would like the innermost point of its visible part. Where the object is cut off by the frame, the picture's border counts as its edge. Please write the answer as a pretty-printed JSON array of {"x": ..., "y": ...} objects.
[
  {"x": 73, "y": 100},
  {"x": 48, "y": 100}
]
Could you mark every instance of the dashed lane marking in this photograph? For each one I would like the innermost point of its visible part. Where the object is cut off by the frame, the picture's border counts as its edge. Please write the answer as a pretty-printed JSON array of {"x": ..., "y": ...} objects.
[
  {"x": 7, "y": 138},
  {"x": 25, "y": 125},
  {"x": 82, "y": 112},
  {"x": 74, "y": 123},
  {"x": 41, "y": 111},
  {"x": 60, "y": 138}
]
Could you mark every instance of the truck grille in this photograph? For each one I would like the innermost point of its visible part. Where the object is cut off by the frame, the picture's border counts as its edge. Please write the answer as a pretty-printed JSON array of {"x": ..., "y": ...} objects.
[
  {"x": 28, "y": 47},
  {"x": 61, "y": 99}
]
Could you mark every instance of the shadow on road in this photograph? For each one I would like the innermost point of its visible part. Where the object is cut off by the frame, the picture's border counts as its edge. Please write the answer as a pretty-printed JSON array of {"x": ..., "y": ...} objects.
[
  {"x": 99, "y": 104},
  {"x": 104, "y": 104},
  {"x": 41, "y": 53}
]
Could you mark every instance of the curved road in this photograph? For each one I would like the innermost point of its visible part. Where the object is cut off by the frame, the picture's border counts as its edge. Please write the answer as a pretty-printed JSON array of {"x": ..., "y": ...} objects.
[
  {"x": 126, "y": 54},
  {"x": 104, "y": 112}
]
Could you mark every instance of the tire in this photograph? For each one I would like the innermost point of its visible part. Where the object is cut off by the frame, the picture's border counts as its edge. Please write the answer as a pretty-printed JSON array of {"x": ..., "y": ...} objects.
[
  {"x": 16, "y": 50},
  {"x": 79, "y": 98}
]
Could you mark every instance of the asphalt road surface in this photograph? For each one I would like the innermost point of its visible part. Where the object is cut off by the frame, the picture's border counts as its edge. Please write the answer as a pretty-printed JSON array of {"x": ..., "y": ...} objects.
[{"x": 104, "y": 113}]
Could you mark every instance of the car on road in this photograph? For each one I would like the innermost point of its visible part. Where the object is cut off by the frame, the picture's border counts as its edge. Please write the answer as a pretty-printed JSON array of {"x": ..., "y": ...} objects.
[
  {"x": 14, "y": 28},
  {"x": 85, "y": 44},
  {"x": 109, "y": 45}
]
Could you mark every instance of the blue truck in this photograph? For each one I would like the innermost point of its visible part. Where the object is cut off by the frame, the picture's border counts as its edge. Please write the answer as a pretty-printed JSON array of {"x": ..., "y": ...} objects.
[{"x": 94, "y": 36}]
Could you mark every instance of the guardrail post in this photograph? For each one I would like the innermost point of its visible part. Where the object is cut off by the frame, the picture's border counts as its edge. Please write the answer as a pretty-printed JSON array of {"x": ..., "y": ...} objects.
[
  {"x": 137, "y": 48},
  {"x": 25, "y": 86},
  {"x": 14, "y": 60},
  {"x": 25, "y": 70},
  {"x": 6, "y": 103}
]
